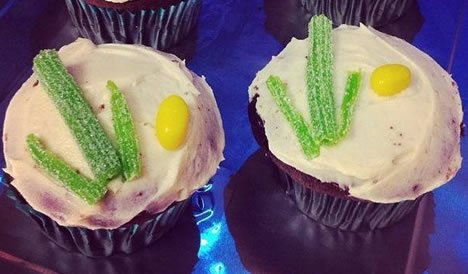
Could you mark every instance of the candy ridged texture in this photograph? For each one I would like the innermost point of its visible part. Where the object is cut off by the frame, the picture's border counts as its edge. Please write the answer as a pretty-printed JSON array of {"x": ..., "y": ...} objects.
[
  {"x": 349, "y": 100},
  {"x": 66, "y": 94},
  {"x": 301, "y": 128},
  {"x": 125, "y": 134},
  {"x": 319, "y": 80},
  {"x": 324, "y": 128},
  {"x": 88, "y": 190}
]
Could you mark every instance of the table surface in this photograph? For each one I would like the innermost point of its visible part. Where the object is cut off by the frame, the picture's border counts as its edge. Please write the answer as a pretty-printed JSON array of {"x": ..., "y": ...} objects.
[{"x": 241, "y": 222}]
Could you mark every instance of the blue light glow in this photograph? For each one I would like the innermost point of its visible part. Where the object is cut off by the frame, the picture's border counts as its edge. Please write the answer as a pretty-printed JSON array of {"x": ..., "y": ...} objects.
[
  {"x": 203, "y": 216},
  {"x": 208, "y": 239},
  {"x": 217, "y": 268},
  {"x": 215, "y": 228},
  {"x": 216, "y": 244},
  {"x": 206, "y": 188}
]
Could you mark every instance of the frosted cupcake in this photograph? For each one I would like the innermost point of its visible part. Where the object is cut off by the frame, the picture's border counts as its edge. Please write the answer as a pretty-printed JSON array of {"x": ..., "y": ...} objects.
[
  {"x": 360, "y": 123},
  {"x": 104, "y": 158},
  {"x": 158, "y": 24}
]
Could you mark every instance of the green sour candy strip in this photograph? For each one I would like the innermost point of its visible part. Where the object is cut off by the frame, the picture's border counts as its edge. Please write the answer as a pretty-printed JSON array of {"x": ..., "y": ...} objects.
[
  {"x": 353, "y": 83},
  {"x": 66, "y": 94},
  {"x": 278, "y": 91},
  {"x": 319, "y": 78},
  {"x": 125, "y": 133},
  {"x": 86, "y": 189}
]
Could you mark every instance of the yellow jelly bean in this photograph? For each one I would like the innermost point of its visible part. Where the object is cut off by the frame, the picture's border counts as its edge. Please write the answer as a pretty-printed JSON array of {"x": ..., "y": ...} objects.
[
  {"x": 390, "y": 79},
  {"x": 172, "y": 122}
]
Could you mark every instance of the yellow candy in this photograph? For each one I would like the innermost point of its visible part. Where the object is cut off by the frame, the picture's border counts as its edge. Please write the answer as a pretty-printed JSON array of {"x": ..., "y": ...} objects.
[
  {"x": 172, "y": 122},
  {"x": 390, "y": 79}
]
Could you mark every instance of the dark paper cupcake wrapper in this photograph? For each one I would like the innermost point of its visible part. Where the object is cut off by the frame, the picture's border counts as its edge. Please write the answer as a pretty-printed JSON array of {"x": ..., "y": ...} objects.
[
  {"x": 102, "y": 242},
  {"x": 352, "y": 12},
  {"x": 160, "y": 28},
  {"x": 345, "y": 214}
]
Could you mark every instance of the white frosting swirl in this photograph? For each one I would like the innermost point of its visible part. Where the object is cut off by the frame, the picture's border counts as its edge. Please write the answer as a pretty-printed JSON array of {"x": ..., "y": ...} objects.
[
  {"x": 399, "y": 147},
  {"x": 146, "y": 77}
]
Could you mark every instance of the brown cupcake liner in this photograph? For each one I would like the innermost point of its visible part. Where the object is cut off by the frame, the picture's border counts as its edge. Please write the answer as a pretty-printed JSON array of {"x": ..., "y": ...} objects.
[
  {"x": 352, "y": 12},
  {"x": 344, "y": 213},
  {"x": 160, "y": 28},
  {"x": 102, "y": 242}
]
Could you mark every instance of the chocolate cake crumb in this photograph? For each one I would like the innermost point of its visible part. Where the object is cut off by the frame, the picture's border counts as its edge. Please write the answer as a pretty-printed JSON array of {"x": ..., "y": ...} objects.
[
  {"x": 77, "y": 171},
  {"x": 391, "y": 127},
  {"x": 139, "y": 194},
  {"x": 401, "y": 134},
  {"x": 375, "y": 181},
  {"x": 255, "y": 87},
  {"x": 36, "y": 83},
  {"x": 416, "y": 188},
  {"x": 102, "y": 107}
]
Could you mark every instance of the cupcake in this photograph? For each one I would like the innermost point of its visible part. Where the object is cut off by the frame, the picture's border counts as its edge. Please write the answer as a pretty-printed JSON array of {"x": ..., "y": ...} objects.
[
  {"x": 158, "y": 24},
  {"x": 107, "y": 168},
  {"x": 361, "y": 124},
  {"x": 352, "y": 12}
]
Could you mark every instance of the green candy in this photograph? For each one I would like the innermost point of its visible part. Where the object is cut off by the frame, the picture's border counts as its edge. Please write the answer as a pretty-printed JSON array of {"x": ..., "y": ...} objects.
[
  {"x": 125, "y": 134},
  {"x": 319, "y": 80},
  {"x": 349, "y": 100},
  {"x": 75, "y": 110},
  {"x": 325, "y": 129},
  {"x": 295, "y": 119},
  {"x": 86, "y": 189}
]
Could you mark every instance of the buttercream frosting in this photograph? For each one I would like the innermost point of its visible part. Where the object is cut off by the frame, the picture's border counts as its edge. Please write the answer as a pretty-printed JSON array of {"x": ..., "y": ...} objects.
[
  {"x": 398, "y": 147},
  {"x": 146, "y": 77}
]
